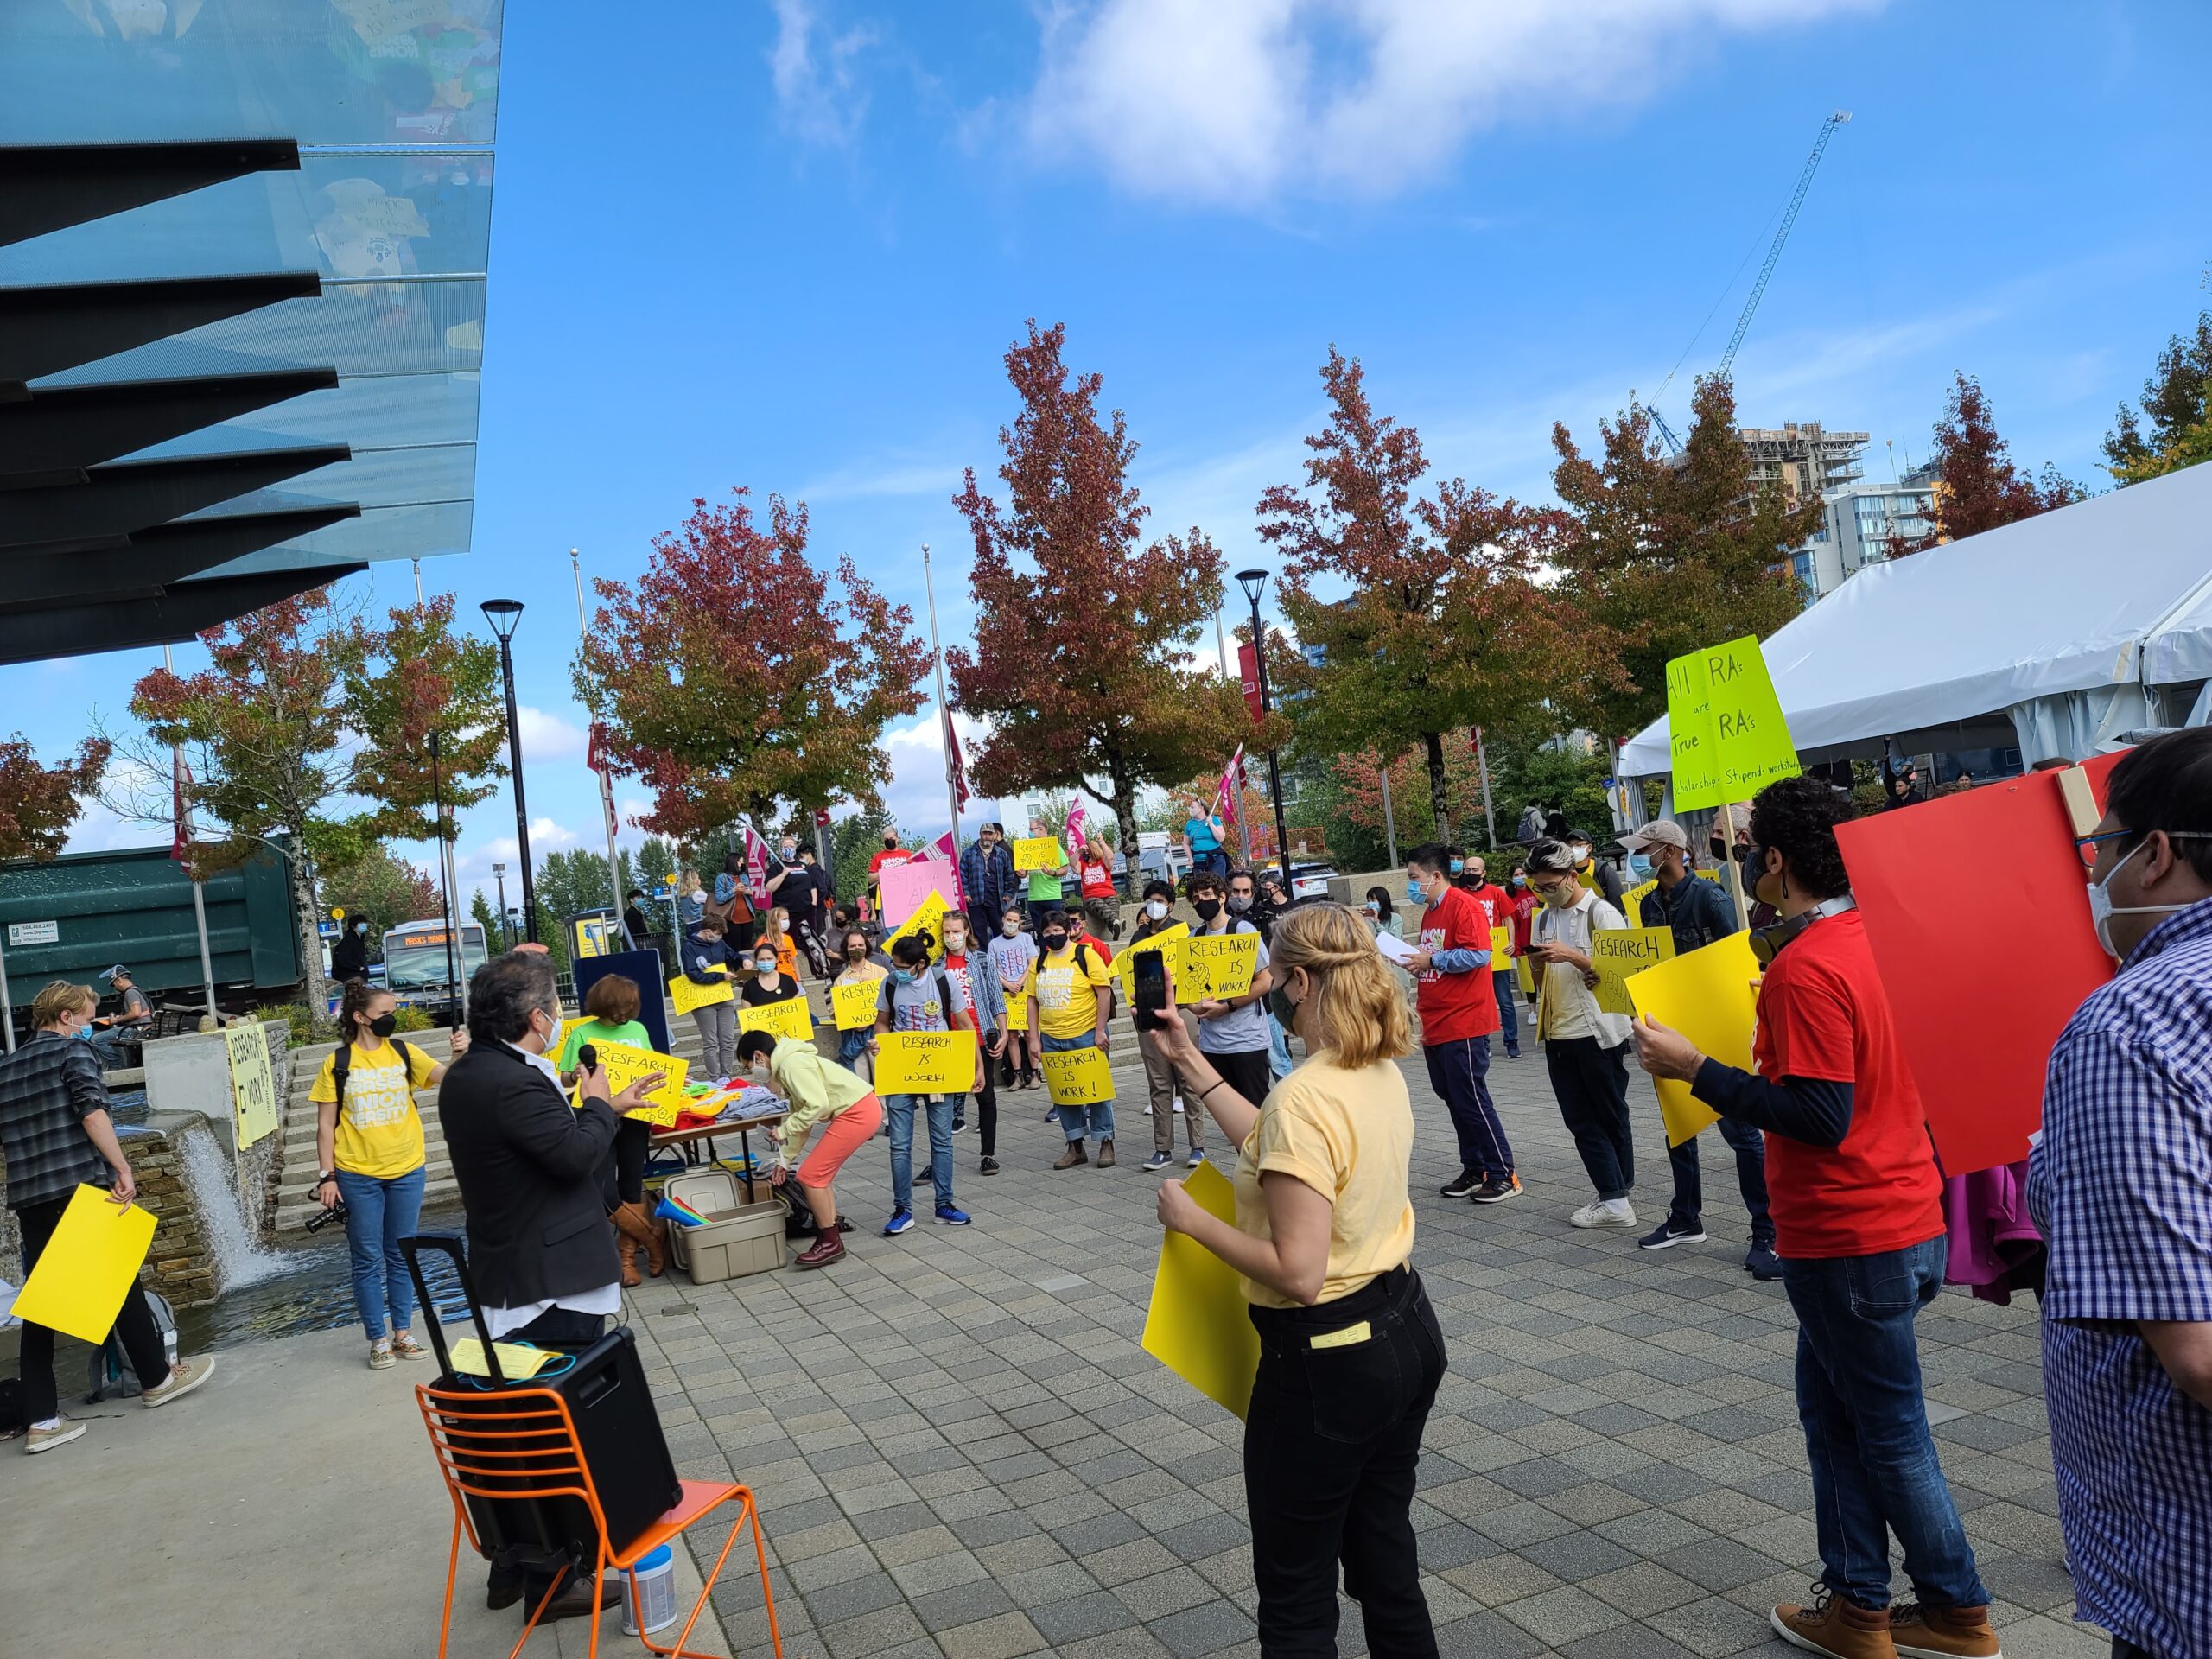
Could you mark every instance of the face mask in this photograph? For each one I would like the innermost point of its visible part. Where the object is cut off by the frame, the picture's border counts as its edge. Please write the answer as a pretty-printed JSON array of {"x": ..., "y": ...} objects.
[
  {"x": 956, "y": 945},
  {"x": 1238, "y": 906},
  {"x": 360, "y": 927},
  {"x": 783, "y": 927},
  {"x": 1560, "y": 897},
  {"x": 1156, "y": 909},
  {"x": 1413, "y": 894},
  {"x": 1374, "y": 909},
  {"x": 1207, "y": 908},
  {"x": 789, "y": 853},
  {"x": 1457, "y": 865},
  {"x": 763, "y": 964},
  {"x": 904, "y": 975},
  {"x": 1010, "y": 927},
  {"x": 855, "y": 953},
  {"x": 1520, "y": 881},
  {"x": 384, "y": 1023},
  {"x": 890, "y": 842},
  {"x": 1582, "y": 852},
  {"x": 1055, "y": 941},
  {"x": 2102, "y": 910},
  {"x": 1639, "y": 867}
]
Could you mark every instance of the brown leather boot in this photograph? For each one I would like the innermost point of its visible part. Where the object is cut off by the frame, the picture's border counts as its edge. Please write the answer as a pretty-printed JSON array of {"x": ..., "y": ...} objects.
[
  {"x": 635, "y": 1231},
  {"x": 625, "y": 1251},
  {"x": 1835, "y": 1625},
  {"x": 1920, "y": 1631},
  {"x": 655, "y": 1241}
]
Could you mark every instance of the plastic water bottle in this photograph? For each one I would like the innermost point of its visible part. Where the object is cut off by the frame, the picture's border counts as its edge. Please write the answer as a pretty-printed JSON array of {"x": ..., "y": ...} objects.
[{"x": 652, "y": 1605}]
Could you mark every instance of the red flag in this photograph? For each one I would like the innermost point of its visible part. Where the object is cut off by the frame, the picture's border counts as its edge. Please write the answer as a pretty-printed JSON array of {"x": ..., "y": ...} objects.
[
  {"x": 181, "y": 837},
  {"x": 956, "y": 769},
  {"x": 1248, "y": 663},
  {"x": 822, "y": 818}
]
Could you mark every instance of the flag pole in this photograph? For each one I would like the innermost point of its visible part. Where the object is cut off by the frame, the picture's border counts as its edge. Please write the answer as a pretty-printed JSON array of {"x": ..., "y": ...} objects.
[
  {"x": 606, "y": 778},
  {"x": 184, "y": 831},
  {"x": 945, "y": 709}
]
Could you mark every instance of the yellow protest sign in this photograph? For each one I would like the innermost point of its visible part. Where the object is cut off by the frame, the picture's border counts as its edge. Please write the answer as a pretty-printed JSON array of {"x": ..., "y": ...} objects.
[
  {"x": 1501, "y": 948},
  {"x": 1196, "y": 1325},
  {"x": 928, "y": 915},
  {"x": 88, "y": 1265},
  {"x": 1037, "y": 853},
  {"x": 925, "y": 1061},
  {"x": 1167, "y": 942},
  {"x": 1077, "y": 1077},
  {"x": 1707, "y": 996},
  {"x": 1617, "y": 952},
  {"x": 855, "y": 1005},
  {"x": 789, "y": 1018},
  {"x": 624, "y": 1065},
  {"x": 1017, "y": 1014},
  {"x": 1726, "y": 726},
  {"x": 1632, "y": 902},
  {"x": 1524, "y": 970},
  {"x": 688, "y": 996},
  {"x": 253, "y": 1089},
  {"x": 1217, "y": 964}
]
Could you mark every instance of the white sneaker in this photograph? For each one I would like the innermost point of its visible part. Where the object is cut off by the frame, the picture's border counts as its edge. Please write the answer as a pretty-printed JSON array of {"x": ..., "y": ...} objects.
[
  {"x": 1619, "y": 1213},
  {"x": 1604, "y": 1212}
]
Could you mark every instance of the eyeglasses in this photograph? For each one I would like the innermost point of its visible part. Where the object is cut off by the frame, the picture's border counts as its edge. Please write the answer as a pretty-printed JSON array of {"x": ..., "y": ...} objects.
[{"x": 2087, "y": 845}]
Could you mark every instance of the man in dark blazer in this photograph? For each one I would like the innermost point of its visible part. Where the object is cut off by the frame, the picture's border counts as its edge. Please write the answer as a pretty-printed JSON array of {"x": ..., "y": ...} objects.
[{"x": 541, "y": 1249}]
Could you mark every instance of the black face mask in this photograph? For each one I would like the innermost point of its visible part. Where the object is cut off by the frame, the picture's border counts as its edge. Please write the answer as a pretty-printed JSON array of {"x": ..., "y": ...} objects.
[
  {"x": 1055, "y": 941},
  {"x": 1207, "y": 908},
  {"x": 889, "y": 843},
  {"x": 384, "y": 1023}
]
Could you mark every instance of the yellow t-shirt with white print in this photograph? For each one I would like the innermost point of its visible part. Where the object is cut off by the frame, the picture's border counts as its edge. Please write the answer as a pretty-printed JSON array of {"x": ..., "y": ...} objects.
[{"x": 380, "y": 1132}]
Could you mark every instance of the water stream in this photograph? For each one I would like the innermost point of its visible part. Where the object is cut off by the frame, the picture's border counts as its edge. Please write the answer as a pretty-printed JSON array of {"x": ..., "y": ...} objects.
[{"x": 211, "y": 1178}]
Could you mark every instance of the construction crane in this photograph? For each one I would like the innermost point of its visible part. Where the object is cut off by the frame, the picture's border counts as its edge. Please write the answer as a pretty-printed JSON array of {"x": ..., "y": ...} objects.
[{"x": 1838, "y": 118}]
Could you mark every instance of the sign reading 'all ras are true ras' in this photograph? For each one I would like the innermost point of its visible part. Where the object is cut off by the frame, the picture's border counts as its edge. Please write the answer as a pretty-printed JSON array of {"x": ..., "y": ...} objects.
[{"x": 1725, "y": 725}]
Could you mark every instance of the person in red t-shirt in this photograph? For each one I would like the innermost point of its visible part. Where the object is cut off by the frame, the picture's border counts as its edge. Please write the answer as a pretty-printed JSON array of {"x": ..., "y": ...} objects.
[
  {"x": 1858, "y": 1209},
  {"x": 1498, "y": 907},
  {"x": 1451, "y": 970},
  {"x": 893, "y": 853}
]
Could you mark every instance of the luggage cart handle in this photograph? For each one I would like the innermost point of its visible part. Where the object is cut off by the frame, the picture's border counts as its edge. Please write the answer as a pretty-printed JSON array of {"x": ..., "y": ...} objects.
[{"x": 450, "y": 1244}]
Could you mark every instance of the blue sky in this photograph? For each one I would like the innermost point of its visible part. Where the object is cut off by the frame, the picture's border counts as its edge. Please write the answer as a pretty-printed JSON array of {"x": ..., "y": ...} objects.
[{"x": 785, "y": 243}]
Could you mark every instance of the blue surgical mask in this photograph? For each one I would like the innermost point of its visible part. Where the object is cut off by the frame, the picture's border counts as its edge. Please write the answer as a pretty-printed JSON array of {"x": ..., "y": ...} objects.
[
  {"x": 904, "y": 975},
  {"x": 1412, "y": 892},
  {"x": 1639, "y": 867}
]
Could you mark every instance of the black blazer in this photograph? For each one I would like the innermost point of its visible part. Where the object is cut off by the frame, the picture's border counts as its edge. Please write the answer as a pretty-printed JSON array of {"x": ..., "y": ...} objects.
[{"x": 528, "y": 1165}]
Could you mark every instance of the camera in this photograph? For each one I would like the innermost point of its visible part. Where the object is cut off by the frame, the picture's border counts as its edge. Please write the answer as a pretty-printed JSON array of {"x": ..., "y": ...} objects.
[{"x": 336, "y": 1213}]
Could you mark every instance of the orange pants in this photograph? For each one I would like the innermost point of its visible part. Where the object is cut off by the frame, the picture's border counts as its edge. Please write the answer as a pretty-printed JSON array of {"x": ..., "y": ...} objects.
[{"x": 847, "y": 1133}]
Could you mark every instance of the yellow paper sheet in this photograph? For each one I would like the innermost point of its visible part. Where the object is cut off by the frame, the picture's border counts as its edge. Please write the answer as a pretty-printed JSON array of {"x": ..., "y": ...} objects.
[
  {"x": 1618, "y": 952},
  {"x": 1037, "y": 853},
  {"x": 688, "y": 996},
  {"x": 253, "y": 1089},
  {"x": 1707, "y": 996},
  {"x": 1196, "y": 1325},
  {"x": 925, "y": 1062},
  {"x": 929, "y": 914},
  {"x": 624, "y": 1065},
  {"x": 855, "y": 1005},
  {"x": 1218, "y": 964},
  {"x": 1726, "y": 726},
  {"x": 88, "y": 1265},
  {"x": 1077, "y": 1077},
  {"x": 1524, "y": 970},
  {"x": 790, "y": 1017},
  {"x": 517, "y": 1359},
  {"x": 1017, "y": 1014},
  {"x": 1501, "y": 948},
  {"x": 1167, "y": 943}
]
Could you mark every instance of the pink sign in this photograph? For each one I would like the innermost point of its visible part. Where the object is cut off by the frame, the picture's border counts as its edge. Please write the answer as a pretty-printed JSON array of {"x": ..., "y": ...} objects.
[{"x": 905, "y": 886}]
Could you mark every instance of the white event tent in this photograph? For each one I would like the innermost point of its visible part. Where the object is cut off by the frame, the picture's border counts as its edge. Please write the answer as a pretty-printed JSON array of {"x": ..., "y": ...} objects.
[{"x": 2056, "y": 634}]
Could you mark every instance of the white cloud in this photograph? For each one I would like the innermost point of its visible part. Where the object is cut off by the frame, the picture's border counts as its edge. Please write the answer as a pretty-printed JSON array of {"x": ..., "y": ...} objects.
[
  {"x": 549, "y": 737},
  {"x": 818, "y": 91},
  {"x": 1231, "y": 102}
]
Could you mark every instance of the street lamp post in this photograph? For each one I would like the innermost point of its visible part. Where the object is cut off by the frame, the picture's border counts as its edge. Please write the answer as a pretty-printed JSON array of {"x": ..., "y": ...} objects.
[
  {"x": 1254, "y": 583},
  {"x": 499, "y": 875},
  {"x": 502, "y": 614}
]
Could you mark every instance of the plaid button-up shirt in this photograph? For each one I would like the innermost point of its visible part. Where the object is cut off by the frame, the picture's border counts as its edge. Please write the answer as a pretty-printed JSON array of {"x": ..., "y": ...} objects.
[
  {"x": 2121, "y": 1185},
  {"x": 46, "y": 1088}
]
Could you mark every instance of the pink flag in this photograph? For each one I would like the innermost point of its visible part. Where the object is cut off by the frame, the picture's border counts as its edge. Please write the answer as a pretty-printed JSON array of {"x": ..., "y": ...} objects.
[
  {"x": 1076, "y": 819},
  {"x": 1229, "y": 797},
  {"x": 756, "y": 869},
  {"x": 947, "y": 848}
]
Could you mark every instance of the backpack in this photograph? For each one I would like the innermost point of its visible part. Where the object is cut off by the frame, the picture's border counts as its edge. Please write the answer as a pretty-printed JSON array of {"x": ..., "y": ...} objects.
[
  {"x": 341, "y": 1067},
  {"x": 111, "y": 1373}
]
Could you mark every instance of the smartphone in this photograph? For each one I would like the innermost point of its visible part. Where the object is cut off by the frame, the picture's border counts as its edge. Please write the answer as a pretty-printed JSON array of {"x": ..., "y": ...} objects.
[{"x": 1151, "y": 971}]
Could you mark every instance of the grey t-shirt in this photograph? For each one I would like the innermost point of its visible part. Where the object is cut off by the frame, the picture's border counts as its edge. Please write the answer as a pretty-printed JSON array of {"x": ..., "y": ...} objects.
[
  {"x": 1244, "y": 1029},
  {"x": 920, "y": 1006}
]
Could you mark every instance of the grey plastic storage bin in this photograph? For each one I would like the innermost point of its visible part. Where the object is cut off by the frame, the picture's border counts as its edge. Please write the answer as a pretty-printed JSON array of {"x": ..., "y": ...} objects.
[{"x": 738, "y": 1239}]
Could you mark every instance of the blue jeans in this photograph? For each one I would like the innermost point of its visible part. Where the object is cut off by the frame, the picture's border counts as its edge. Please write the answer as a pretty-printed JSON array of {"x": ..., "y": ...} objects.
[
  {"x": 1456, "y": 1070},
  {"x": 1750, "y": 1144},
  {"x": 107, "y": 1046},
  {"x": 1859, "y": 1396},
  {"x": 378, "y": 1214},
  {"x": 1076, "y": 1122},
  {"x": 1502, "y": 982},
  {"x": 899, "y": 1112}
]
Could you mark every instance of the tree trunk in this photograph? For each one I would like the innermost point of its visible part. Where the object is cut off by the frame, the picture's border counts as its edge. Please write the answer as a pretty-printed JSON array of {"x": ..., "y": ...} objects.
[
  {"x": 1439, "y": 794},
  {"x": 316, "y": 986},
  {"x": 1125, "y": 821}
]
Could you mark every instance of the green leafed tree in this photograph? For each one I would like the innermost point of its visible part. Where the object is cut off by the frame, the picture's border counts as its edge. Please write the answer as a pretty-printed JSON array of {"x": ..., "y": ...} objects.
[
  {"x": 1668, "y": 554},
  {"x": 381, "y": 887},
  {"x": 2176, "y": 430}
]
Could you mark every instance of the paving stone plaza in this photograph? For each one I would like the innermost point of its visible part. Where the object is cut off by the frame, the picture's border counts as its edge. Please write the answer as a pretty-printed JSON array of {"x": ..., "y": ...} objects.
[{"x": 960, "y": 1448}]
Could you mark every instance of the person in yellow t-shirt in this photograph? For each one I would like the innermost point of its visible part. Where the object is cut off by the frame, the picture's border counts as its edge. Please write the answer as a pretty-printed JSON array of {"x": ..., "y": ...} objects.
[
  {"x": 1351, "y": 1353},
  {"x": 1068, "y": 1004},
  {"x": 369, "y": 1153}
]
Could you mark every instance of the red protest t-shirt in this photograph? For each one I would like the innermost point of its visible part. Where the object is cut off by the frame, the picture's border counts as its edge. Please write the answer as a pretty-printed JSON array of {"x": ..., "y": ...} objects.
[
  {"x": 1455, "y": 1005},
  {"x": 1823, "y": 1014}
]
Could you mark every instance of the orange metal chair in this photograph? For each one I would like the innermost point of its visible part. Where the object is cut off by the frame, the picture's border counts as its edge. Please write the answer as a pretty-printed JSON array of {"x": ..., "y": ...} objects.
[{"x": 531, "y": 1438}]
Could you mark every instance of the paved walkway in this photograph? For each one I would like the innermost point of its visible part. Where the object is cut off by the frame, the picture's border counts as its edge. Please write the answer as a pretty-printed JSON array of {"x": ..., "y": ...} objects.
[{"x": 961, "y": 1453}]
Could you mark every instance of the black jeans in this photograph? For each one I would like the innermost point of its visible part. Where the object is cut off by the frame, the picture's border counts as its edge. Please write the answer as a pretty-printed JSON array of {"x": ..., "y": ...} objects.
[
  {"x": 987, "y": 1106},
  {"x": 1331, "y": 1444},
  {"x": 134, "y": 1323},
  {"x": 622, "y": 1178},
  {"x": 1592, "y": 1085},
  {"x": 1246, "y": 1071},
  {"x": 1750, "y": 1147}
]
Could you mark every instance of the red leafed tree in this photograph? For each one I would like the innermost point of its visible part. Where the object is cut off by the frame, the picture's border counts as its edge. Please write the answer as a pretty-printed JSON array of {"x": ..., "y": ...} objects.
[
  {"x": 731, "y": 675},
  {"x": 1420, "y": 616},
  {"x": 39, "y": 803},
  {"x": 1977, "y": 485},
  {"x": 1083, "y": 665}
]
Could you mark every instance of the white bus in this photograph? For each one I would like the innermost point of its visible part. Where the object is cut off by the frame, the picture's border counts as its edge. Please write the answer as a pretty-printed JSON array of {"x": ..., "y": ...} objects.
[{"x": 415, "y": 963}]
